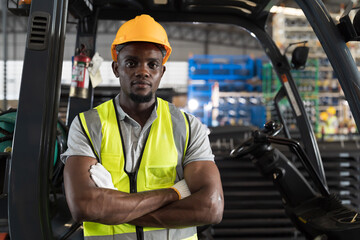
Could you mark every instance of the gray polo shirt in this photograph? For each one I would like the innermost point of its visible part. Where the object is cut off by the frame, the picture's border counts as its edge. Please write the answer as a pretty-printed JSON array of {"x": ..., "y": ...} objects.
[{"x": 135, "y": 139}]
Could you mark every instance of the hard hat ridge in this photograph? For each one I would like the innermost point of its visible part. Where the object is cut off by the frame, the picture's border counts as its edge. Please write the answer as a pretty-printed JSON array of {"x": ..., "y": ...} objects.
[{"x": 142, "y": 28}]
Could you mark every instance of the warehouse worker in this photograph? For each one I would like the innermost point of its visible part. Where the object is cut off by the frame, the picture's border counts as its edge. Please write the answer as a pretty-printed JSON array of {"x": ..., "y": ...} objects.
[
  {"x": 332, "y": 121},
  {"x": 329, "y": 122},
  {"x": 157, "y": 178}
]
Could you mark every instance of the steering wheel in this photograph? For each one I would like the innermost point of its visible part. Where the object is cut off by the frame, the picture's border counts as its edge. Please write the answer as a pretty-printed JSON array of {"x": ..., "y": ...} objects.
[{"x": 258, "y": 139}]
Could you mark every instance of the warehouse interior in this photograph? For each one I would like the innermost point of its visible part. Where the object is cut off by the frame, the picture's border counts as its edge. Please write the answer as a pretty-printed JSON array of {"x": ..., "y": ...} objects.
[{"x": 219, "y": 72}]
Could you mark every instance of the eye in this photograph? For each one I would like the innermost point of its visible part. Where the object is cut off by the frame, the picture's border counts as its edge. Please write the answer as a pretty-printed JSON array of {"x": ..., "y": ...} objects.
[
  {"x": 130, "y": 63},
  {"x": 154, "y": 65}
]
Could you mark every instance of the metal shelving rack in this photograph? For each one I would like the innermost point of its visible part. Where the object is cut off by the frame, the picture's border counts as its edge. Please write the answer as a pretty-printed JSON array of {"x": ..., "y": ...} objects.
[
  {"x": 307, "y": 83},
  {"x": 223, "y": 87},
  {"x": 294, "y": 28}
]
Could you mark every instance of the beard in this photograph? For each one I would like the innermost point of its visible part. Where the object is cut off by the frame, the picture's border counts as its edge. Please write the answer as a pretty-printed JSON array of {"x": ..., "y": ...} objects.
[{"x": 140, "y": 98}]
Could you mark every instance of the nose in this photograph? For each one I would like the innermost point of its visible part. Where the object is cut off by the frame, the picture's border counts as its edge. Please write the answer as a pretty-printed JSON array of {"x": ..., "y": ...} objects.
[{"x": 142, "y": 71}]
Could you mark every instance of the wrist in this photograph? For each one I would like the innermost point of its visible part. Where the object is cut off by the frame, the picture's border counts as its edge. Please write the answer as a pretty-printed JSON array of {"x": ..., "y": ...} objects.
[
  {"x": 181, "y": 189},
  {"x": 178, "y": 195}
]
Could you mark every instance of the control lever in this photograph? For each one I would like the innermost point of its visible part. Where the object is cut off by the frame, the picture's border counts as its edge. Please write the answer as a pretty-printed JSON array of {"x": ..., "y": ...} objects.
[{"x": 258, "y": 140}]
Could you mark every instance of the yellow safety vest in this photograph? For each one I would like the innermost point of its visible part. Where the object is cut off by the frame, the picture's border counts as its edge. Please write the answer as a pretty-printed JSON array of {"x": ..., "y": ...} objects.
[{"x": 160, "y": 164}]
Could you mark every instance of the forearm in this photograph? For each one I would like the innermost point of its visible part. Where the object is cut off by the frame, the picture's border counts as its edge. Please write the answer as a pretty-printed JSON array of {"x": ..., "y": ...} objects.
[
  {"x": 90, "y": 203},
  {"x": 113, "y": 207},
  {"x": 201, "y": 208},
  {"x": 204, "y": 206}
]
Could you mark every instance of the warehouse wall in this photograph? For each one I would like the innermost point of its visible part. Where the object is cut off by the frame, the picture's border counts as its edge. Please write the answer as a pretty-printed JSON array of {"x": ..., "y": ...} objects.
[{"x": 181, "y": 49}]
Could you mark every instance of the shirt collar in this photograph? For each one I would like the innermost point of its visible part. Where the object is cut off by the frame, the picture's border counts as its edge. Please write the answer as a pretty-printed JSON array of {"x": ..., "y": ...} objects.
[{"x": 123, "y": 114}]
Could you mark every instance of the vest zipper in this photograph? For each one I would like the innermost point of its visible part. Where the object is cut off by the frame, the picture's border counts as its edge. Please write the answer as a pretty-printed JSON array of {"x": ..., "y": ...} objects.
[
  {"x": 132, "y": 175},
  {"x": 133, "y": 189}
]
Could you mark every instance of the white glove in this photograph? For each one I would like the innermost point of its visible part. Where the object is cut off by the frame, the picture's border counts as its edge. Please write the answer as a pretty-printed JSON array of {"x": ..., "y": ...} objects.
[
  {"x": 101, "y": 176},
  {"x": 182, "y": 189}
]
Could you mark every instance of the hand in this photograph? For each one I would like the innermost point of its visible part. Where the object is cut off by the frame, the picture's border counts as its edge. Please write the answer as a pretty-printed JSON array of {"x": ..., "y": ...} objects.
[
  {"x": 101, "y": 176},
  {"x": 182, "y": 189}
]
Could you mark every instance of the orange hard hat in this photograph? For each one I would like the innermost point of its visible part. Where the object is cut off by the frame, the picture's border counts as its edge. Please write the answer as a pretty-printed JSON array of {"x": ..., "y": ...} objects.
[{"x": 142, "y": 28}]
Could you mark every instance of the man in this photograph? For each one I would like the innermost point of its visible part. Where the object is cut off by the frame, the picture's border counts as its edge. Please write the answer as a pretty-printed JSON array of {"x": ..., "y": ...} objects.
[{"x": 157, "y": 178}]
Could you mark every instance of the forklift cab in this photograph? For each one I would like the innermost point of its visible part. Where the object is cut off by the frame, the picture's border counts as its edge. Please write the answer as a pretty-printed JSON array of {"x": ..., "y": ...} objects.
[{"x": 33, "y": 210}]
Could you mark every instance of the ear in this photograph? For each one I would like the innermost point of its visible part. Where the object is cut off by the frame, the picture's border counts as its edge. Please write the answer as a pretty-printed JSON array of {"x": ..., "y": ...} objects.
[
  {"x": 114, "y": 66},
  {"x": 164, "y": 69}
]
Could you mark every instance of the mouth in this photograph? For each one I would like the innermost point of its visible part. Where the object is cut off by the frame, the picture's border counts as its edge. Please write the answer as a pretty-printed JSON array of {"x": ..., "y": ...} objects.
[{"x": 141, "y": 84}]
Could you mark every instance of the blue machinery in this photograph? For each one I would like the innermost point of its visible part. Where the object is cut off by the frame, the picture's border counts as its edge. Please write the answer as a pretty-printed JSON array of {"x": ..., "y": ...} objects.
[{"x": 29, "y": 168}]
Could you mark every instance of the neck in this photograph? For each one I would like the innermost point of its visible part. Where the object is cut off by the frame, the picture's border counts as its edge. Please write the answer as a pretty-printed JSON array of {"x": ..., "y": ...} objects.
[{"x": 140, "y": 112}]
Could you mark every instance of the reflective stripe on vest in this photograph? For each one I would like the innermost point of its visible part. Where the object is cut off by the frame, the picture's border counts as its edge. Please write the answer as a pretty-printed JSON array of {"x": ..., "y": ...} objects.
[
  {"x": 160, "y": 165},
  {"x": 150, "y": 235}
]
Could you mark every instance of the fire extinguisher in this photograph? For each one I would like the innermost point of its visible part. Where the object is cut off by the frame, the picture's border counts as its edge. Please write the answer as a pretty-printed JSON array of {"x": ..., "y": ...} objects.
[{"x": 80, "y": 75}]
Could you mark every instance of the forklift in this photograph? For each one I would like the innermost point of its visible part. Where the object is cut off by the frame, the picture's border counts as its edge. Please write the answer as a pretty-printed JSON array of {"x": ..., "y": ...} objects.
[{"x": 34, "y": 210}]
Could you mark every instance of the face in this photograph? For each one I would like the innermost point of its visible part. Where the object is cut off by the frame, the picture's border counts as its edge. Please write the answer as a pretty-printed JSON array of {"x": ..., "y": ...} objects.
[{"x": 139, "y": 69}]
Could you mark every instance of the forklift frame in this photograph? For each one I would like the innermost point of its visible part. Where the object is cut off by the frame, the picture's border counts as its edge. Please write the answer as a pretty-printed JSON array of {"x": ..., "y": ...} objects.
[{"x": 28, "y": 188}]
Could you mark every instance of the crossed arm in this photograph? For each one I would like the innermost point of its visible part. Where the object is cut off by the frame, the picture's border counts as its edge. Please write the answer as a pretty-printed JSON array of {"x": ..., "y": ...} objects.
[{"x": 158, "y": 208}]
